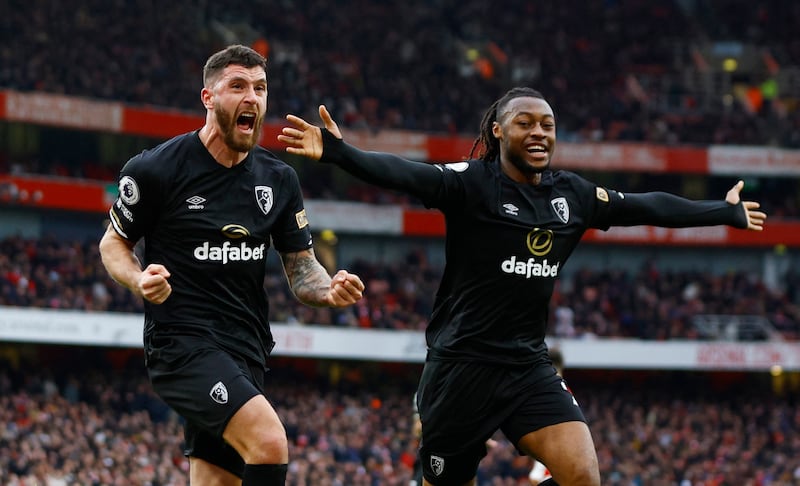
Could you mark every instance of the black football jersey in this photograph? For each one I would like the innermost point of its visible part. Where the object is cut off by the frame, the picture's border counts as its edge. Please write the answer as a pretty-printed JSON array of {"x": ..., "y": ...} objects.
[
  {"x": 211, "y": 227},
  {"x": 506, "y": 244}
]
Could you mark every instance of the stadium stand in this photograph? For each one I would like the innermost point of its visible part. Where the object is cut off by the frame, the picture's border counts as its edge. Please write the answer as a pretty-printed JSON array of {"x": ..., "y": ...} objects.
[
  {"x": 670, "y": 73},
  {"x": 651, "y": 303},
  {"x": 616, "y": 70},
  {"x": 99, "y": 425}
]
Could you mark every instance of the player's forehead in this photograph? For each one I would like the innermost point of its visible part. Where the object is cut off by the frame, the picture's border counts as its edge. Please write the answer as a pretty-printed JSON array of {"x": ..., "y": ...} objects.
[
  {"x": 237, "y": 71},
  {"x": 529, "y": 105}
]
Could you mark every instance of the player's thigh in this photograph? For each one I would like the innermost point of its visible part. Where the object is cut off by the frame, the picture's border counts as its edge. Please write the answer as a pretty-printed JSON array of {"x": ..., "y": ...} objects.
[
  {"x": 543, "y": 398},
  {"x": 454, "y": 402},
  {"x": 458, "y": 405},
  {"x": 203, "y": 473},
  {"x": 548, "y": 424},
  {"x": 567, "y": 450},
  {"x": 206, "y": 386},
  {"x": 202, "y": 383},
  {"x": 471, "y": 482},
  {"x": 255, "y": 430}
]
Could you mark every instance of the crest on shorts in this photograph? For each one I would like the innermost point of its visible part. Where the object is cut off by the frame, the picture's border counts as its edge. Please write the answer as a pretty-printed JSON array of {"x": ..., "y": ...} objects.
[
  {"x": 264, "y": 198},
  {"x": 219, "y": 393},
  {"x": 437, "y": 465},
  {"x": 561, "y": 208}
]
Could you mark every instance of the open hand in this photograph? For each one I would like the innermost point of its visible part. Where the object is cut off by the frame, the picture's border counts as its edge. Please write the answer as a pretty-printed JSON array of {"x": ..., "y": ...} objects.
[
  {"x": 305, "y": 139},
  {"x": 755, "y": 218}
]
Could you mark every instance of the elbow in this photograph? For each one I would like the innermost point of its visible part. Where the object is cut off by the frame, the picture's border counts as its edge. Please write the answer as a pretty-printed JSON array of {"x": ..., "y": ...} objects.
[
  {"x": 105, "y": 247},
  {"x": 112, "y": 246}
]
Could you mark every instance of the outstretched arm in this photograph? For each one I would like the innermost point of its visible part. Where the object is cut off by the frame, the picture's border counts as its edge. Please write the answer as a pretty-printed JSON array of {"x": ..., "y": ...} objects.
[
  {"x": 382, "y": 169},
  {"x": 312, "y": 285},
  {"x": 671, "y": 211},
  {"x": 755, "y": 218},
  {"x": 306, "y": 139}
]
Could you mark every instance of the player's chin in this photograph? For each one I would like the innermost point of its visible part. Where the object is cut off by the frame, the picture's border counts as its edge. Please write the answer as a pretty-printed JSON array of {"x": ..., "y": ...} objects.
[{"x": 539, "y": 166}]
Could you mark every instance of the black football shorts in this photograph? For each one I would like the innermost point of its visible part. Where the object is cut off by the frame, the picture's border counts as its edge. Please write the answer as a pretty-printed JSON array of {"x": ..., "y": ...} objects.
[
  {"x": 206, "y": 386},
  {"x": 462, "y": 404}
]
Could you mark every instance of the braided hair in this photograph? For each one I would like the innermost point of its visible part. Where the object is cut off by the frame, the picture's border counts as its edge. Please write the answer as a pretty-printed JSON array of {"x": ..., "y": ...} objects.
[{"x": 490, "y": 146}]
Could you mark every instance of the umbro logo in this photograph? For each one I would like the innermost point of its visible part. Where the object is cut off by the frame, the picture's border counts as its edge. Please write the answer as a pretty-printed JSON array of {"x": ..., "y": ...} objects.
[
  {"x": 511, "y": 209},
  {"x": 196, "y": 202}
]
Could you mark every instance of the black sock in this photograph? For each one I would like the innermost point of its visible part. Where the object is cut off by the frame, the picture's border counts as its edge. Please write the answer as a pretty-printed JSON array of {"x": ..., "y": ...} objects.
[
  {"x": 264, "y": 475},
  {"x": 548, "y": 482}
]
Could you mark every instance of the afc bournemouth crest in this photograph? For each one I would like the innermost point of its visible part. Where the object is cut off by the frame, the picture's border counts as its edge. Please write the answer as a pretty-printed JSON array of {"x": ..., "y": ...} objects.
[
  {"x": 219, "y": 393},
  {"x": 561, "y": 208},
  {"x": 437, "y": 465},
  {"x": 264, "y": 198}
]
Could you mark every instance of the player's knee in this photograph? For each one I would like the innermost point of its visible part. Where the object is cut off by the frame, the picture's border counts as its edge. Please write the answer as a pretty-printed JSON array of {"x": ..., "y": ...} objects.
[
  {"x": 269, "y": 447},
  {"x": 262, "y": 442},
  {"x": 584, "y": 474},
  {"x": 257, "y": 434}
]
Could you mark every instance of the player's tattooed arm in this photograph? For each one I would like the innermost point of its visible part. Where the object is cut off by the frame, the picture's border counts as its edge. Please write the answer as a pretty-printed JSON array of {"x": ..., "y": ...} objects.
[
  {"x": 312, "y": 285},
  {"x": 307, "y": 277}
]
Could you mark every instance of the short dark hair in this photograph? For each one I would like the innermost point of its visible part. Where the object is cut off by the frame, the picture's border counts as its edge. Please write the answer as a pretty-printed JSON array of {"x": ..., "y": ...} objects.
[{"x": 233, "y": 54}]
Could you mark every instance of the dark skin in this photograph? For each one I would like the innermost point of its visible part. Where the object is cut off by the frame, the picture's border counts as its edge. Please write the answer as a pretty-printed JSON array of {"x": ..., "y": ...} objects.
[
  {"x": 523, "y": 133},
  {"x": 526, "y": 131}
]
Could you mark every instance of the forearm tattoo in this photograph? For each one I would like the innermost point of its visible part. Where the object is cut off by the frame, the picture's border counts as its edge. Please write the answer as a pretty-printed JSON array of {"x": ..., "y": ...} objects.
[{"x": 308, "y": 279}]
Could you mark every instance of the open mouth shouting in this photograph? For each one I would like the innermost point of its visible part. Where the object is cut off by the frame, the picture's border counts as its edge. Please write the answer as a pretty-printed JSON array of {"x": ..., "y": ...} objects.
[{"x": 246, "y": 122}]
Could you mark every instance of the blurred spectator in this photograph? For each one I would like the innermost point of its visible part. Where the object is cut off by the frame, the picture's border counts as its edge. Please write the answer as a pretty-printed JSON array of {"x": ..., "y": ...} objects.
[
  {"x": 649, "y": 304},
  {"x": 679, "y": 433},
  {"x": 430, "y": 66}
]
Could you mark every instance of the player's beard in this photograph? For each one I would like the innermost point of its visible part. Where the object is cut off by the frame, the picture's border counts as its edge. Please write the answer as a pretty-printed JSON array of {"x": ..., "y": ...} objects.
[
  {"x": 525, "y": 168},
  {"x": 231, "y": 136}
]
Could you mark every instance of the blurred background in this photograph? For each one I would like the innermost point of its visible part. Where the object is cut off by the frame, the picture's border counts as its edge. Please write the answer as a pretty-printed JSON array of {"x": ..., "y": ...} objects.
[{"x": 680, "y": 345}]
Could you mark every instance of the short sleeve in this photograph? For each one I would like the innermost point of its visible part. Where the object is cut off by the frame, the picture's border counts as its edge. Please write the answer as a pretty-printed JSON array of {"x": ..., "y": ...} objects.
[
  {"x": 292, "y": 232},
  {"x": 134, "y": 211}
]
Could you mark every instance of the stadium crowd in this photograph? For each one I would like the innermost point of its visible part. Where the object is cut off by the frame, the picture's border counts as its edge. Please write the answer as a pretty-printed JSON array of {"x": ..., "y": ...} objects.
[
  {"x": 614, "y": 70},
  {"x": 652, "y": 303},
  {"x": 623, "y": 70},
  {"x": 99, "y": 426}
]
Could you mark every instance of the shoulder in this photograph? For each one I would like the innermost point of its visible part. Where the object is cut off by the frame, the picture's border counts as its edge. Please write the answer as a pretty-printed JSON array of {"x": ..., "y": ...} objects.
[
  {"x": 579, "y": 189},
  {"x": 155, "y": 159},
  {"x": 268, "y": 160},
  {"x": 566, "y": 179},
  {"x": 470, "y": 166},
  {"x": 268, "y": 164},
  {"x": 468, "y": 173},
  {"x": 151, "y": 168},
  {"x": 267, "y": 169}
]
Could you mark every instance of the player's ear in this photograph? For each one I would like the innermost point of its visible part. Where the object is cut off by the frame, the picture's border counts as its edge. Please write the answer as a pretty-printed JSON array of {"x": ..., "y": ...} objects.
[
  {"x": 207, "y": 97},
  {"x": 497, "y": 131}
]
